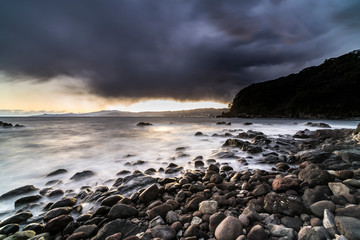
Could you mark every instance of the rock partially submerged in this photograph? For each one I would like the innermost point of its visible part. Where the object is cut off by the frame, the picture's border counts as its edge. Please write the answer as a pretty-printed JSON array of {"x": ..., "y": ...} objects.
[
  {"x": 142, "y": 124},
  {"x": 9, "y": 125}
]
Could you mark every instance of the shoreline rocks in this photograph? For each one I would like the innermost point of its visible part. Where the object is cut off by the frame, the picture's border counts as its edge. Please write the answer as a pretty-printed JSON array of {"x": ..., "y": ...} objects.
[{"x": 307, "y": 201}]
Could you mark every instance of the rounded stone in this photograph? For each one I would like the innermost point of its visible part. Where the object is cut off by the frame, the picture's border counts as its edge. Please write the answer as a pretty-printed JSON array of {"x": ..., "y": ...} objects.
[
  {"x": 208, "y": 207},
  {"x": 229, "y": 229}
]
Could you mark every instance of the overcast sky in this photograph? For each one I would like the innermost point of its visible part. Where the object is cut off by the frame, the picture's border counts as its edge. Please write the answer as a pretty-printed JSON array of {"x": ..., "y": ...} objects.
[{"x": 179, "y": 49}]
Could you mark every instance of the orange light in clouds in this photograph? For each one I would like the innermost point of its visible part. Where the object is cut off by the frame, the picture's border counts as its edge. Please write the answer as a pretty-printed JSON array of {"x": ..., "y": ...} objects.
[
  {"x": 165, "y": 105},
  {"x": 66, "y": 95}
]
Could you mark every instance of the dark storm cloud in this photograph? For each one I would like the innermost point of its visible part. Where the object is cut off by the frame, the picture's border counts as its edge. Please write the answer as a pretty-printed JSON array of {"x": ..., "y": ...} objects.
[{"x": 186, "y": 50}]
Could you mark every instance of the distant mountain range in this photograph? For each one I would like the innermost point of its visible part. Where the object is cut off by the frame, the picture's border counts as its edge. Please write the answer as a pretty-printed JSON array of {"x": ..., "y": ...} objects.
[
  {"x": 330, "y": 90},
  {"x": 204, "y": 112}
]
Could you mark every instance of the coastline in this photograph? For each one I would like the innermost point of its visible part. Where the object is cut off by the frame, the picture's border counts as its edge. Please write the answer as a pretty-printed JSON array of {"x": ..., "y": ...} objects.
[{"x": 318, "y": 197}]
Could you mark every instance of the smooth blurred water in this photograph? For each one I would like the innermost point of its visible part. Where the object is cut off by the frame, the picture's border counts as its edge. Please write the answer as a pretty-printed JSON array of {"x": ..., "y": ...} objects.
[{"x": 101, "y": 144}]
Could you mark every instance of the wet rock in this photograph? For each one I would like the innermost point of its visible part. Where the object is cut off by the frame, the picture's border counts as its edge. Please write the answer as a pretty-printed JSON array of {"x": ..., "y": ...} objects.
[
  {"x": 208, "y": 207},
  {"x": 318, "y": 208},
  {"x": 199, "y": 164},
  {"x": 281, "y": 231},
  {"x": 171, "y": 217},
  {"x": 308, "y": 233},
  {"x": 119, "y": 225},
  {"x": 23, "y": 235},
  {"x": 257, "y": 232},
  {"x": 261, "y": 189},
  {"x": 163, "y": 232},
  {"x": 244, "y": 220},
  {"x": 292, "y": 222},
  {"x": 82, "y": 175},
  {"x": 314, "y": 175},
  {"x": 156, "y": 221},
  {"x": 77, "y": 236},
  {"x": 352, "y": 182},
  {"x": 37, "y": 227},
  {"x": 251, "y": 214},
  {"x": 350, "y": 211},
  {"x": 284, "y": 204},
  {"x": 41, "y": 236},
  {"x": 193, "y": 204},
  {"x": 282, "y": 167},
  {"x": 111, "y": 200},
  {"x": 17, "y": 218},
  {"x": 329, "y": 222},
  {"x": 26, "y": 200},
  {"x": 65, "y": 202},
  {"x": 229, "y": 229},
  {"x": 215, "y": 220},
  {"x": 351, "y": 156},
  {"x": 344, "y": 174},
  {"x": 321, "y": 125},
  {"x": 348, "y": 226},
  {"x": 149, "y": 194},
  {"x": 54, "y": 192},
  {"x": 150, "y": 171},
  {"x": 192, "y": 232},
  {"x": 313, "y": 156},
  {"x": 159, "y": 211},
  {"x": 116, "y": 236},
  {"x": 315, "y": 221},
  {"x": 9, "y": 229},
  {"x": 199, "y": 134},
  {"x": 18, "y": 191},
  {"x": 142, "y": 124},
  {"x": 318, "y": 193},
  {"x": 282, "y": 184},
  {"x": 57, "y": 224},
  {"x": 122, "y": 211},
  {"x": 123, "y": 172},
  {"x": 89, "y": 230},
  {"x": 216, "y": 178},
  {"x": 338, "y": 188},
  {"x": 57, "y": 172},
  {"x": 303, "y": 134},
  {"x": 56, "y": 212}
]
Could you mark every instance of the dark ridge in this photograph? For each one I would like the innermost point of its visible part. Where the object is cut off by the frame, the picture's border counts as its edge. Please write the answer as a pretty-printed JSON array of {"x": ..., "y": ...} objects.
[{"x": 330, "y": 90}]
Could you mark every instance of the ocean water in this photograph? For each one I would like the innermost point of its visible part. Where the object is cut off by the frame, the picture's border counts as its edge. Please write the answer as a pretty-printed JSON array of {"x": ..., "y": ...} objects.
[{"x": 109, "y": 145}]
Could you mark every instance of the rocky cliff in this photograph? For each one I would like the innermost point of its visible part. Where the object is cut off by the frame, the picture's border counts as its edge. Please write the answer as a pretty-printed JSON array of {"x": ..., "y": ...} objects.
[{"x": 330, "y": 90}]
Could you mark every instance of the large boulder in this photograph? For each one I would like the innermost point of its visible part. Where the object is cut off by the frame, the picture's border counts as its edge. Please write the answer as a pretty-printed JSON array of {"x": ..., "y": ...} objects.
[
  {"x": 17, "y": 218},
  {"x": 215, "y": 220},
  {"x": 163, "y": 232},
  {"x": 208, "y": 207},
  {"x": 284, "y": 204},
  {"x": 314, "y": 175},
  {"x": 348, "y": 226},
  {"x": 149, "y": 194},
  {"x": 257, "y": 232},
  {"x": 318, "y": 208},
  {"x": 281, "y": 184},
  {"x": 18, "y": 191},
  {"x": 122, "y": 211},
  {"x": 318, "y": 193},
  {"x": 351, "y": 156},
  {"x": 307, "y": 233},
  {"x": 229, "y": 229},
  {"x": 57, "y": 224},
  {"x": 313, "y": 156}
]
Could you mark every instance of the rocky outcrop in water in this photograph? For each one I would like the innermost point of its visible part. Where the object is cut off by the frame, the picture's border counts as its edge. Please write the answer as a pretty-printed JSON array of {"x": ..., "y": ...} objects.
[{"x": 9, "y": 125}]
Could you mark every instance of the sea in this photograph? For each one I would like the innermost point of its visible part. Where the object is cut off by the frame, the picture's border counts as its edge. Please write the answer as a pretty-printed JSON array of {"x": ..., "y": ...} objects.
[{"x": 109, "y": 145}]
